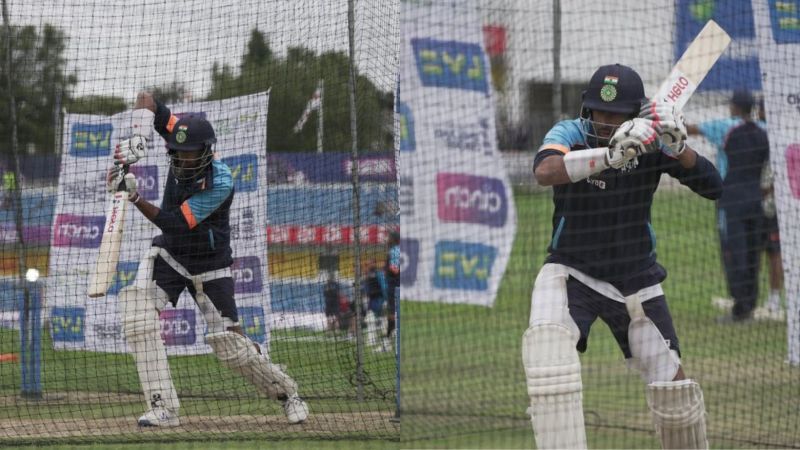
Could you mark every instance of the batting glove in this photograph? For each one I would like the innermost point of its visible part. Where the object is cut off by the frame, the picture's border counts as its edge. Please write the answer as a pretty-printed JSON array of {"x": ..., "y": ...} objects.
[
  {"x": 130, "y": 150},
  {"x": 633, "y": 138},
  {"x": 669, "y": 122}
]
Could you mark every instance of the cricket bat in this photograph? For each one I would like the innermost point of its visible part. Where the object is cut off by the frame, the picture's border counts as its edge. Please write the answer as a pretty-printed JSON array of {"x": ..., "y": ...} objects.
[
  {"x": 695, "y": 63},
  {"x": 106, "y": 266},
  {"x": 693, "y": 66}
]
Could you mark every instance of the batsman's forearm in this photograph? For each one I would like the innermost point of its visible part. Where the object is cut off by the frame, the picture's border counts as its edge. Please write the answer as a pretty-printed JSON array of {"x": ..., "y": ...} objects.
[
  {"x": 148, "y": 209},
  {"x": 688, "y": 158}
]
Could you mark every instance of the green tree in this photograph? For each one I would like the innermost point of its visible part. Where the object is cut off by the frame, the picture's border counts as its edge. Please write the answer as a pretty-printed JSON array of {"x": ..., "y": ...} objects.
[
  {"x": 39, "y": 82},
  {"x": 96, "y": 104},
  {"x": 293, "y": 80},
  {"x": 174, "y": 92}
]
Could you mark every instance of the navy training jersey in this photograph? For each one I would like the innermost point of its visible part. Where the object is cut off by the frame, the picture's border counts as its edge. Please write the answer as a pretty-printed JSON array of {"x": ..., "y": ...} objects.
[
  {"x": 746, "y": 149},
  {"x": 601, "y": 225},
  {"x": 195, "y": 218}
]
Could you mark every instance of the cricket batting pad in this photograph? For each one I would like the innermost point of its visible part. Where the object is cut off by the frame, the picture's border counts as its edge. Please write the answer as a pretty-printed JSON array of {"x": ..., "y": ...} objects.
[
  {"x": 553, "y": 372},
  {"x": 238, "y": 353},
  {"x": 679, "y": 414},
  {"x": 143, "y": 334}
]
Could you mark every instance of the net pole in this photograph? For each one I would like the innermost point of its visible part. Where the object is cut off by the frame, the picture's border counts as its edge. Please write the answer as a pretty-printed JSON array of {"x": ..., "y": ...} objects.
[
  {"x": 351, "y": 83},
  {"x": 26, "y": 331},
  {"x": 557, "y": 113}
]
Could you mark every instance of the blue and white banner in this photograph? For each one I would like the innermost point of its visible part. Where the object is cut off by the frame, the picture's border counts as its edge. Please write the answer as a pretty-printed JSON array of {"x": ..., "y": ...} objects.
[
  {"x": 81, "y": 323},
  {"x": 738, "y": 67},
  {"x": 457, "y": 210},
  {"x": 779, "y": 48}
]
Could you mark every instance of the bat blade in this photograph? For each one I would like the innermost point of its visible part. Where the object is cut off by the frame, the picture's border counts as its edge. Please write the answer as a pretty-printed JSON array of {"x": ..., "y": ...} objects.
[
  {"x": 106, "y": 266},
  {"x": 693, "y": 66}
]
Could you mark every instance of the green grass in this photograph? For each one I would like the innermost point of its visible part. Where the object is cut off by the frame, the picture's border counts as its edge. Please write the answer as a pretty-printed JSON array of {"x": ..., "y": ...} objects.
[
  {"x": 464, "y": 386},
  {"x": 83, "y": 386}
]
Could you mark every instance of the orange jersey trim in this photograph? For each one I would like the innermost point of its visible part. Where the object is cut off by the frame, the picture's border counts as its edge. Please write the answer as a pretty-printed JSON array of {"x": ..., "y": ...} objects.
[
  {"x": 561, "y": 148},
  {"x": 173, "y": 119},
  {"x": 187, "y": 214}
]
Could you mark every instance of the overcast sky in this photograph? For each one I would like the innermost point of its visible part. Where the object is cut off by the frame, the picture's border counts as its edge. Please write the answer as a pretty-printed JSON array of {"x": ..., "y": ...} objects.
[{"x": 118, "y": 47}]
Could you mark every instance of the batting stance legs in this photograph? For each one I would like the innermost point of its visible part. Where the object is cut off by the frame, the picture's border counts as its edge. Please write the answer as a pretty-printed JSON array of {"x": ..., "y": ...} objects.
[
  {"x": 141, "y": 303},
  {"x": 564, "y": 304}
]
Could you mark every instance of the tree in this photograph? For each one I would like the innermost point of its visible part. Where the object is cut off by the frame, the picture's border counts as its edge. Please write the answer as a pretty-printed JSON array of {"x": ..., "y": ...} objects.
[
  {"x": 174, "y": 92},
  {"x": 96, "y": 104},
  {"x": 40, "y": 85},
  {"x": 293, "y": 80}
]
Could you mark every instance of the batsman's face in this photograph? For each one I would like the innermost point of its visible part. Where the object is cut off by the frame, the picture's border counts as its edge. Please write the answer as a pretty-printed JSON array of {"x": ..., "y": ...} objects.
[
  {"x": 606, "y": 123},
  {"x": 185, "y": 163}
]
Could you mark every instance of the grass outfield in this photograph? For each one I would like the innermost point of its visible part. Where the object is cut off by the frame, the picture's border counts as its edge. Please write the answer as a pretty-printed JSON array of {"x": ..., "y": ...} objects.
[
  {"x": 95, "y": 397},
  {"x": 464, "y": 386}
]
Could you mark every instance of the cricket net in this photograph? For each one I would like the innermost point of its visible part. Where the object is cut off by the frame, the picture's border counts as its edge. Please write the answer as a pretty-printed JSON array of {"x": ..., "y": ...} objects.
[
  {"x": 481, "y": 84},
  {"x": 300, "y": 96}
]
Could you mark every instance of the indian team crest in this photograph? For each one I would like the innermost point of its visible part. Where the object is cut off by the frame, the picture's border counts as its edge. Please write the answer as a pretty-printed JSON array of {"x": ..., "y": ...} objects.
[
  {"x": 180, "y": 136},
  {"x": 609, "y": 90}
]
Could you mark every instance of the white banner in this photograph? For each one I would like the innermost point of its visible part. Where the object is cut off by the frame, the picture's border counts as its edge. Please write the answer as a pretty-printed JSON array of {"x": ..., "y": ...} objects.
[
  {"x": 457, "y": 211},
  {"x": 779, "y": 52},
  {"x": 79, "y": 322}
]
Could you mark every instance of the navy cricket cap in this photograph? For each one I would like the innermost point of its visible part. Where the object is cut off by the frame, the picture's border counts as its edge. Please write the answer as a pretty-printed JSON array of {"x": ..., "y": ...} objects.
[
  {"x": 614, "y": 88},
  {"x": 191, "y": 132},
  {"x": 743, "y": 98}
]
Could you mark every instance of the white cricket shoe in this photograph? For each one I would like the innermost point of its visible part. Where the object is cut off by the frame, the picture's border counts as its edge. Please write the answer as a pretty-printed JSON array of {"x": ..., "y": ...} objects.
[
  {"x": 159, "y": 416},
  {"x": 295, "y": 408}
]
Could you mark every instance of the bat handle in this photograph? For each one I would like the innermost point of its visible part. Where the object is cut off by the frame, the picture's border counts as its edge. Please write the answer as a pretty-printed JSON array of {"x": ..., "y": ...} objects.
[{"x": 121, "y": 185}]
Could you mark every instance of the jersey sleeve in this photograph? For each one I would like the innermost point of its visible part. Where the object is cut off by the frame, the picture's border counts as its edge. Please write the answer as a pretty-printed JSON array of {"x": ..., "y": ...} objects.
[
  {"x": 716, "y": 130},
  {"x": 164, "y": 121},
  {"x": 394, "y": 260},
  {"x": 559, "y": 140},
  {"x": 199, "y": 206},
  {"x": 703, "y": 178}
]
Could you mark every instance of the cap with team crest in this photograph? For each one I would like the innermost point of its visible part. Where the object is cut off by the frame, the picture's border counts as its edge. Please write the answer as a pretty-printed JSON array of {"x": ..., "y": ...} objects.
[
  {"x": 191, "y": 132},
  {"x": 614, "y": 88}
]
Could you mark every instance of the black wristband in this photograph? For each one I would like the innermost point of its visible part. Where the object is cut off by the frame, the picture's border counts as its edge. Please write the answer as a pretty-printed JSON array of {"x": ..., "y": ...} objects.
[{"x": 135, "y": 200}]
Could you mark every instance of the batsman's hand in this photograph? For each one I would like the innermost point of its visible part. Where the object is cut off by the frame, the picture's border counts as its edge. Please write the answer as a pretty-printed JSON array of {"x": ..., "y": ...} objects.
[
  {"x": 633, "y": 138},
  {"x": 669, "y": 122},
  {"x": 115, "y": 176},
  {"x": 130, "y": 150}
]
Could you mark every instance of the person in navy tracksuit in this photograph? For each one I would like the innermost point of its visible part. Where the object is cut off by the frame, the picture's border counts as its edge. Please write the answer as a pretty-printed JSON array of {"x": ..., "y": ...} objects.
[
  {"x": 742, "y": 154},
  {"x": 604, "y": 168}
]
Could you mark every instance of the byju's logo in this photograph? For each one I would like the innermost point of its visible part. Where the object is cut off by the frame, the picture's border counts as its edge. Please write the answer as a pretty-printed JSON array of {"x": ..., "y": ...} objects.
[
  {"x": 68, "y": 324},
  {"x": 91, "y": 140},
  {"x": 244, "y": 169},
  {"x": 177, "y": 326},
  {"x": 78, "y": 231},
  {"x": 252, "y": 321},
  {"x": 126, "y": 273},
  {"x": 463, "y": 265},
  {"x": 146, "y": 181},
  {"x": 450, "y": 64},
  {"x": 471, "y": 199},
  {"x": 247, "y": 275},
  {"x": 409, "y": 255},
  {"x": 408, "y": 142}
]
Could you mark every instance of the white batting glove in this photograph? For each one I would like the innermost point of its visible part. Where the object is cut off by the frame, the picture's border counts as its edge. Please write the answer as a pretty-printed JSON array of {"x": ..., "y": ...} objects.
[
  {"x": 115, "y": 176},
  {"x": 669, "y": 122},
  {"x": 633, "y": 138},
  {"x": 130, "y": 150}
]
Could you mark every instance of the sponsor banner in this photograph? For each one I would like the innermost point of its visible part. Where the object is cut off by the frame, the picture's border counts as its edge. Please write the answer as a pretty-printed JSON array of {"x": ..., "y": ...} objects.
[
  {"x": 77, "y": 226},
  {"x": 326, "y": 234},
  {"x": 776, "y": 24},
  {"x": 458, "y": 218},
  {"x": 32, "y": 235},
  {"x": 330, "y": 167},
  {"x": 738, "y": 67}
]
